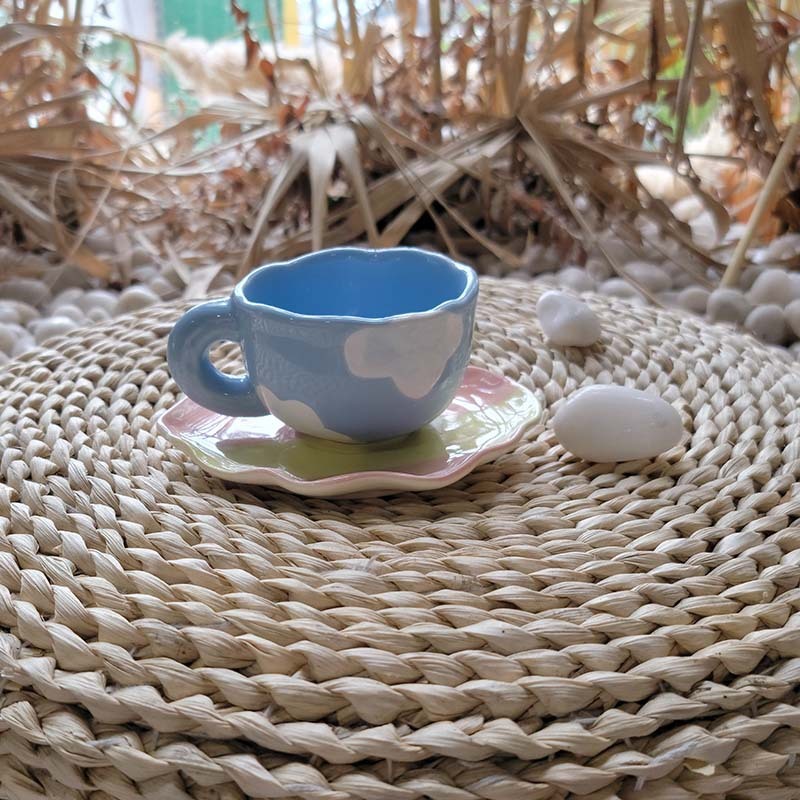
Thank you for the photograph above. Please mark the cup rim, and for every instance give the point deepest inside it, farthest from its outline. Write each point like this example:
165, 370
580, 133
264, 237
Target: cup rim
467, 294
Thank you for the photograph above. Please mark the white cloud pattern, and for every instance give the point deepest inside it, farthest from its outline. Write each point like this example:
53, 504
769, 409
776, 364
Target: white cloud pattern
413, 353
299, 416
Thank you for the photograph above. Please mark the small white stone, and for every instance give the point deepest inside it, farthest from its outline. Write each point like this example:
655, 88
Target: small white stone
70, 277
9, 333
783, 247
734, 232
66, 297
670, 298
727, 305
792, 314
768, 323
23, 343
749, 275
683, 279
694, 298
4, 359
688, 208
145, 273
616, 247
9, 312
537, 259
519, 275
576, 279
140, 257
27, 313
598, 269
73, 312
97, 314
567, 321
618, 287
606, 423
651, 276
704, 230
99, 298
771, 286
135, 298
52, 326
26, 290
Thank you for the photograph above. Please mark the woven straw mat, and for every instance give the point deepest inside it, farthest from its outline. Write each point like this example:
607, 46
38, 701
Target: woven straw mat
545, 628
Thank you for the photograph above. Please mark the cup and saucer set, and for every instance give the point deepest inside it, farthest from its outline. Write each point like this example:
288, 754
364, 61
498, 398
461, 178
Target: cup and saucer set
357, 380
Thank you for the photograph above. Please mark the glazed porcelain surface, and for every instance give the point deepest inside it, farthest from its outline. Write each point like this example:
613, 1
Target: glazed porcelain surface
487, 416
344, 344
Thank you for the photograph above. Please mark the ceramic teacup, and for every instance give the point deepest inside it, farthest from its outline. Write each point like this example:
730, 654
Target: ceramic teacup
343, 344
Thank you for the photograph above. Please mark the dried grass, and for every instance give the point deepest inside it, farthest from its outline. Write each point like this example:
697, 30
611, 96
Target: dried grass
505, 128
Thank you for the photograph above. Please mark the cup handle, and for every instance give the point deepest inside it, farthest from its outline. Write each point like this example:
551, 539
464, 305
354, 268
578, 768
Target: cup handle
187, 355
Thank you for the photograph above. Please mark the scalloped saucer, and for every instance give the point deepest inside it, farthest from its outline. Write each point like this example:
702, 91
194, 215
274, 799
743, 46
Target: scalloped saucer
487, 416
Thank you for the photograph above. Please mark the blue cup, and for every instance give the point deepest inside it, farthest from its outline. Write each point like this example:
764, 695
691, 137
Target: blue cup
344, 344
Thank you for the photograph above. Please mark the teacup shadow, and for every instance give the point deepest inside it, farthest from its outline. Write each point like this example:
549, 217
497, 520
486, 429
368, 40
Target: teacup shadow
310, 458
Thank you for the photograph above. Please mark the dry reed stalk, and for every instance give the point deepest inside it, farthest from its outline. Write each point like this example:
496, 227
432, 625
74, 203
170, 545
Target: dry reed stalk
685, 86
766, 200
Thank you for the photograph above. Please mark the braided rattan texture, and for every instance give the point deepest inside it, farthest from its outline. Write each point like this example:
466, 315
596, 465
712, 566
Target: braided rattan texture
543, 629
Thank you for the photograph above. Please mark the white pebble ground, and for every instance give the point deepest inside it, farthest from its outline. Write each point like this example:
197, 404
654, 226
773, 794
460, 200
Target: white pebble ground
766, 302
33, 311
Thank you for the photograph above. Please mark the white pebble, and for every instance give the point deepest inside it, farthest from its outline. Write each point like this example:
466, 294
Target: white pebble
648, 275
598, 269
97, 314
694, 298
792, 314
52, 326
567, 321
140, 257
618, 287
688, 208
783, 247
26, 290
99, 298
9, 312
683, 279
23, 343
794, 280
66, 297
135, 298
519, 275
576, 279
26, 312
9, 333
145, 273
606, 423
749, 275
616, 247
70, 277
727, 305
768, 323
73, 312
734, 232
669, 298
4, 359
771, 286
704, 230
537, 259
